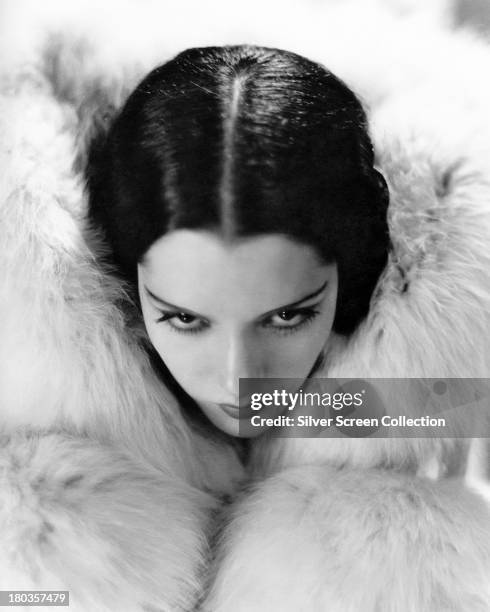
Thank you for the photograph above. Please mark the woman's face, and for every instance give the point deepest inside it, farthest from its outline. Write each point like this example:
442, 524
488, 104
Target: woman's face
260, 307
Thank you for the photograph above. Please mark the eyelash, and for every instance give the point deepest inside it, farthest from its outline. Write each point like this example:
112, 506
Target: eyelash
309, 314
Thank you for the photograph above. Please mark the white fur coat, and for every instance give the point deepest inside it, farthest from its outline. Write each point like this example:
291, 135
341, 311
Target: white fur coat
392, 525
107, 491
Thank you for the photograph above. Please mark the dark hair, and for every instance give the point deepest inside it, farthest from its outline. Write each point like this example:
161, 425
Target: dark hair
245, 140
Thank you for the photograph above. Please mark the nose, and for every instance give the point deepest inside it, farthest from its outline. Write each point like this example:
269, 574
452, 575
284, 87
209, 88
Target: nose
240, 362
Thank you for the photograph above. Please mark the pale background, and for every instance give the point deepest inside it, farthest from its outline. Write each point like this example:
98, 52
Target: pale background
294, 24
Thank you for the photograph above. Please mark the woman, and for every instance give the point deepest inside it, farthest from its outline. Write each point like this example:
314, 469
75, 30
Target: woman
246, 174
108, 485
238, 191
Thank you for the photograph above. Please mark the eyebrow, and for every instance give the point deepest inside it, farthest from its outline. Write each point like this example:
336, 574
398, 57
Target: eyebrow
310, 296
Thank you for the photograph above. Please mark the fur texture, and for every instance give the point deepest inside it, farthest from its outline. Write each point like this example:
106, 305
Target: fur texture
314, 538
87, 518
107, 490
107, 460
321, 531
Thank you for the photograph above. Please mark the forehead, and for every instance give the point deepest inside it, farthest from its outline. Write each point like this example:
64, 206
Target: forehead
196, 268
207, 251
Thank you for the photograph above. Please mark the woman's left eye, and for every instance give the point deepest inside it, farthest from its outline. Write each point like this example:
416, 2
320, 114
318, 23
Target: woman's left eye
285, 320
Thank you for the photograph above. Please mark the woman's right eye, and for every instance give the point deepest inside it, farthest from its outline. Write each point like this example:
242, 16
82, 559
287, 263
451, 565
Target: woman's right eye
182, 321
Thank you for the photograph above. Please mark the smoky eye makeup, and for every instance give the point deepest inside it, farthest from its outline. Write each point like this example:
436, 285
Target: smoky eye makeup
182, 322
186, 323
285, 320
291, 320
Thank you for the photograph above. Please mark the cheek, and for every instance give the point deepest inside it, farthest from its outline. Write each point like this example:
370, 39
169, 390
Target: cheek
295, 356
175, 351
297, 353
182, 358
190, 361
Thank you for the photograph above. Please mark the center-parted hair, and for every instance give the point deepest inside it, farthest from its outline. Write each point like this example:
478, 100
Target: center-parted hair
245, 140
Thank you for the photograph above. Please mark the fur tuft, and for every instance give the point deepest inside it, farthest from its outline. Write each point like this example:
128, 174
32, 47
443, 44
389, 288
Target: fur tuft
116, 533
314, 538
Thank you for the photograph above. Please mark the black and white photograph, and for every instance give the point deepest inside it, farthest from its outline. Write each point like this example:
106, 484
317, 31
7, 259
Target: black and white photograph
245, 305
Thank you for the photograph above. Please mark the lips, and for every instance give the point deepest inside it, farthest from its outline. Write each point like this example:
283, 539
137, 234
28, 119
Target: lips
236, 412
